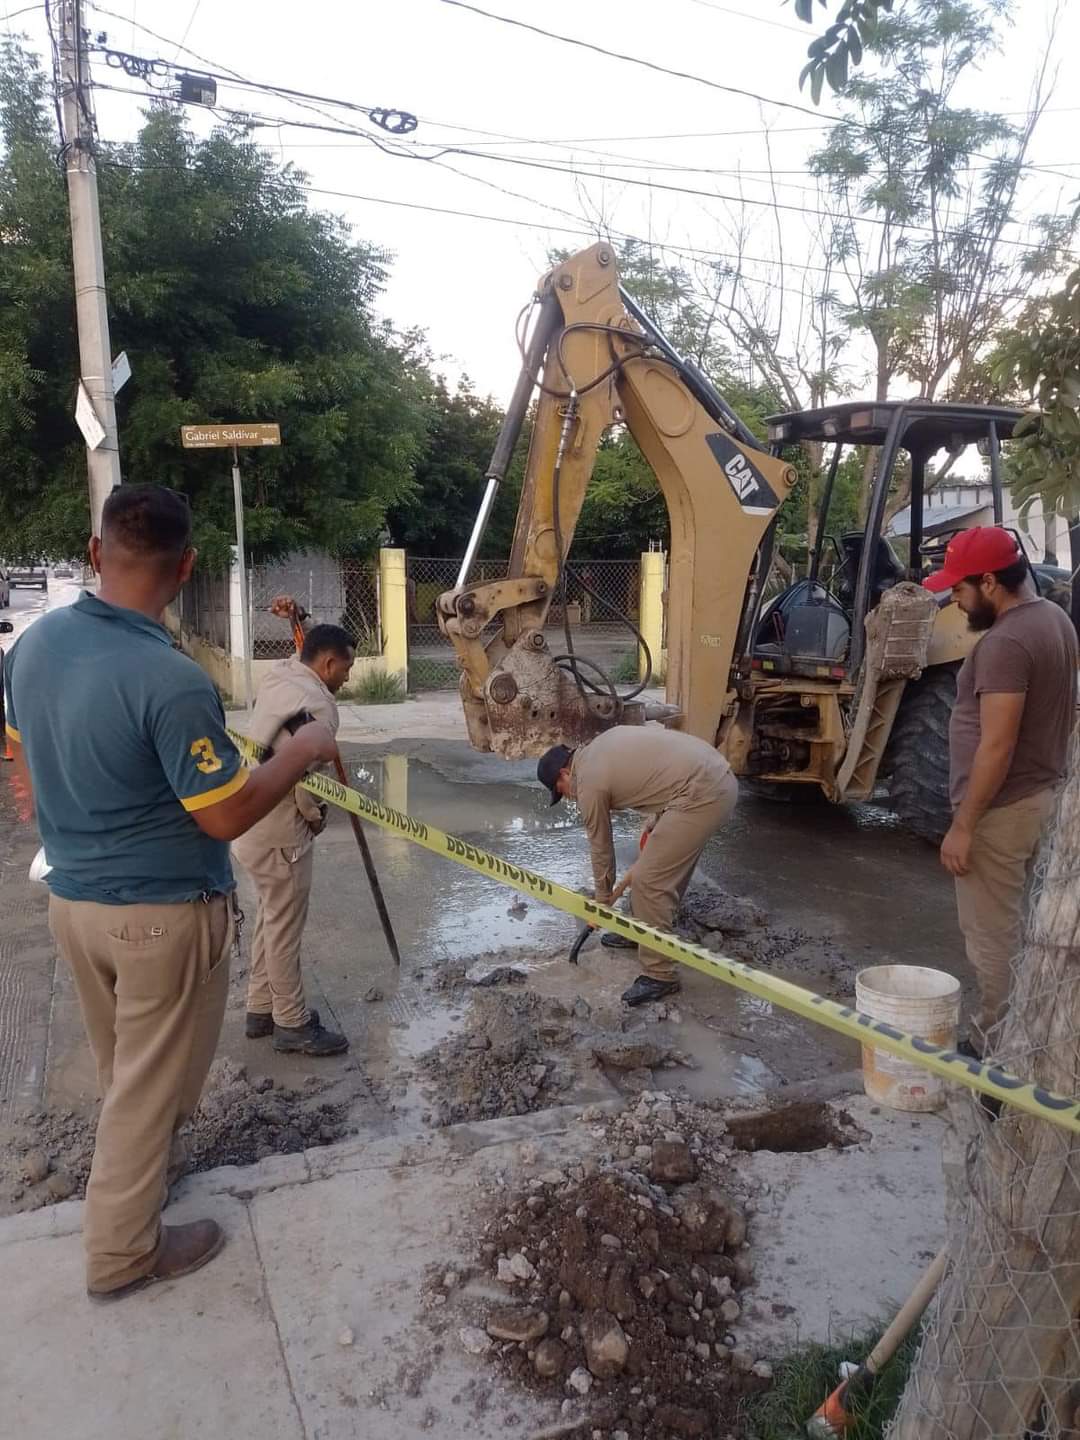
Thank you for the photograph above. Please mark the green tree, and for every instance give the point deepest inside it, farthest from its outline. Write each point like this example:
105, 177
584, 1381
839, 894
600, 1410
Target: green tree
1038, 363
932, 280
438, 515
233, 300
841, 45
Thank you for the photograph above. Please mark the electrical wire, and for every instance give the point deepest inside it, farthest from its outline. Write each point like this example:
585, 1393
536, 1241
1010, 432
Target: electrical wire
410, 151
647, 64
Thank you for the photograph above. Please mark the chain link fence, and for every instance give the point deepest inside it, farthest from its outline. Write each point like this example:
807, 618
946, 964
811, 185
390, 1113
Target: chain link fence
597, 592
332, 591
1000, 1354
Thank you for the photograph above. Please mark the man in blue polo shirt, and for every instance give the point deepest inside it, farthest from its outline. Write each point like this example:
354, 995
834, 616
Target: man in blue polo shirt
138, 790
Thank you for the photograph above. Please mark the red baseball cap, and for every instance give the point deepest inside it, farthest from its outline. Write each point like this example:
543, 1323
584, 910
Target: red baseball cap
975, 552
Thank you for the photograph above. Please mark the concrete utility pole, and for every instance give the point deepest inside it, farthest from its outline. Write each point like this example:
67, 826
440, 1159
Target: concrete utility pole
92, 317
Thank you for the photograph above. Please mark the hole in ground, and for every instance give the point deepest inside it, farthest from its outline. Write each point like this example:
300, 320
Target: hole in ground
793, 1129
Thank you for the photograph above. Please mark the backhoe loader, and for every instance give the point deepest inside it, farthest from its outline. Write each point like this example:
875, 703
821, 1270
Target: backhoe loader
828, 687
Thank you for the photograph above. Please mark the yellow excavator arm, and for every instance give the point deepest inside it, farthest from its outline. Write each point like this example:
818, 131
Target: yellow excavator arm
602, 363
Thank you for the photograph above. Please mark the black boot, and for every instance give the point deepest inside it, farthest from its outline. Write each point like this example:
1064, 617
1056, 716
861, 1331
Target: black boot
612, 940
645, 988
260, 1025
309, 1039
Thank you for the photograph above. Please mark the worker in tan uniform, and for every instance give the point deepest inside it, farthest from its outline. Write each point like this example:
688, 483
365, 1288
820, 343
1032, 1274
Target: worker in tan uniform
278, 853
681, 781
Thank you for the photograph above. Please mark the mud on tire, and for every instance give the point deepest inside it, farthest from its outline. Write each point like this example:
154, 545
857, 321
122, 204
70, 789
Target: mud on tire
916, 765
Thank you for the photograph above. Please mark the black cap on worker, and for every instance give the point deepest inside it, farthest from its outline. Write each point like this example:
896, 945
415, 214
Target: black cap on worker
550, 766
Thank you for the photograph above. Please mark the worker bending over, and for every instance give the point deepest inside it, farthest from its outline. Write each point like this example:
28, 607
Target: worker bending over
278, 853
684, 783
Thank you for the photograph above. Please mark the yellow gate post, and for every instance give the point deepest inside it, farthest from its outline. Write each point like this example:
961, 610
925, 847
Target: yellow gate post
652, 611
394, 614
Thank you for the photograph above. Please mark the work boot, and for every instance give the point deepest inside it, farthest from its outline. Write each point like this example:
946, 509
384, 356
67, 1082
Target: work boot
183, 1249
309, 1039
645, 988
612, 940
260, 1024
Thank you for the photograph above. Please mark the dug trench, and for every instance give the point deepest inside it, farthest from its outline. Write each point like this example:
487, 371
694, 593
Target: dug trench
514, 1032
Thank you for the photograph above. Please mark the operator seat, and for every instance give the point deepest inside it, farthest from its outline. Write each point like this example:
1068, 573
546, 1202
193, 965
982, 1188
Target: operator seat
887, 572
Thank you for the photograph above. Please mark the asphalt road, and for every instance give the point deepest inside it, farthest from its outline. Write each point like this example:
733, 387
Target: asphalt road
28, 605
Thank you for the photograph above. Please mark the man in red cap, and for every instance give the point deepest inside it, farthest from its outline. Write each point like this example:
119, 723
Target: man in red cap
1008, 743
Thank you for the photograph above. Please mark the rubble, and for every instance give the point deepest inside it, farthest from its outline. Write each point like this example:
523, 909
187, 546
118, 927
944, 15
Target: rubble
239, 1121
626, 1279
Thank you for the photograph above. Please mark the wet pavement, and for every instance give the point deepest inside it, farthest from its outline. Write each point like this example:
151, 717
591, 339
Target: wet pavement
842, 889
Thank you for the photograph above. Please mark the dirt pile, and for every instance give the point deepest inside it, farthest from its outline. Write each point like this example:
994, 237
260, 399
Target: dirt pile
739, 928
621, 1287
496, 1065
47, 1154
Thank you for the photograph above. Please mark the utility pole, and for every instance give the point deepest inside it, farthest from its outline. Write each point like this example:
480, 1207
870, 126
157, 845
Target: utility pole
92, 317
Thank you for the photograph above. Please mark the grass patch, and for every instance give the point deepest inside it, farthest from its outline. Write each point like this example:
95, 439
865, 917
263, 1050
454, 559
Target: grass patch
625, 669
378, 687
810, 1374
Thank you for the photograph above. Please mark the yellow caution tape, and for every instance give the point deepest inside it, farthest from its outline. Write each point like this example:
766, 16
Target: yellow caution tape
988, 1079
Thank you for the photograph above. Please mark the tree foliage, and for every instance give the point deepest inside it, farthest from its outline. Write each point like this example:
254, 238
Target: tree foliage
841, 45
1038, 362
234, 301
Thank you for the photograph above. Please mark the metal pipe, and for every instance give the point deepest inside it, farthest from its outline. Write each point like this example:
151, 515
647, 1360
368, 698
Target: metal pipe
823, 514
915, 510
995, 473
550, 319
872, 534
702, 388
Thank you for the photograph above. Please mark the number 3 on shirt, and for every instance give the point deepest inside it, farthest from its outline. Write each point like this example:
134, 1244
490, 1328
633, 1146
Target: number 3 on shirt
206, 759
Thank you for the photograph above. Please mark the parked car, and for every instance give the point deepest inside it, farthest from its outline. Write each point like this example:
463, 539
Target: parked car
30, 577
63, 571
5, 589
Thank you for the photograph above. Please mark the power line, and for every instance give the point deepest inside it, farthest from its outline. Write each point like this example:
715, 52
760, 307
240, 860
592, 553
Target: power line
187, 27
14, 14
646, 64
410, 151
757, 19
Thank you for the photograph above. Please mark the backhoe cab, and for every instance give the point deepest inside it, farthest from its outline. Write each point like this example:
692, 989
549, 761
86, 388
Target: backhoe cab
847, 674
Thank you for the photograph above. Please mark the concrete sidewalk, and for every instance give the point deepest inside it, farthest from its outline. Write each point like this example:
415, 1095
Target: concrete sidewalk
251, 1347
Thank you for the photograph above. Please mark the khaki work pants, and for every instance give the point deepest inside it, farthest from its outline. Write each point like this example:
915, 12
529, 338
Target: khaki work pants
283, 885
663, 869
152, 982
990, 897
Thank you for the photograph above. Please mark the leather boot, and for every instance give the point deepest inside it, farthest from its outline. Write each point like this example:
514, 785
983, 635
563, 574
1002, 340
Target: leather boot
183, 1249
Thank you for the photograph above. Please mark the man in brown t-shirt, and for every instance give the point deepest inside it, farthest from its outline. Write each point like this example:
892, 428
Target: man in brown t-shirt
1008, 742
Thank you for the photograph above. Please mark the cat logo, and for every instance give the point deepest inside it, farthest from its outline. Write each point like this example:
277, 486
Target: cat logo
750, 487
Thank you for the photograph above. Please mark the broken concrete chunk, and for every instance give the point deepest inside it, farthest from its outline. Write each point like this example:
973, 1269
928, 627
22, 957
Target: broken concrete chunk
624, 1053
580, 1380
372, 994
672, 1163
504, 1271
60, 1185
606, 1345
35, 1167
346, 1337
500, 975
550, 1358
519, 1326
474, 1340
521, 1267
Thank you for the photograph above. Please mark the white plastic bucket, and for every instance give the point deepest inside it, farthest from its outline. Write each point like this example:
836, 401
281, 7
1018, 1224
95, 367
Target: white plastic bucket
922, 1002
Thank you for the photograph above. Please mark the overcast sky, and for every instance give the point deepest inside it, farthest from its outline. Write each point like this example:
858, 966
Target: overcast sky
502, 91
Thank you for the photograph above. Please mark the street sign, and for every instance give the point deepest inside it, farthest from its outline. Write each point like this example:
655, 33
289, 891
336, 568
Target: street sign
121, 371
224, 437
87, 420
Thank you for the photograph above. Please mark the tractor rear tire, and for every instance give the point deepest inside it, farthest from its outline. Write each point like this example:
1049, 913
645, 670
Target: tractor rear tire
917, 759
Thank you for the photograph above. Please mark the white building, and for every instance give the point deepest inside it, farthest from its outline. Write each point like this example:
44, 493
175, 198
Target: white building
964, 503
